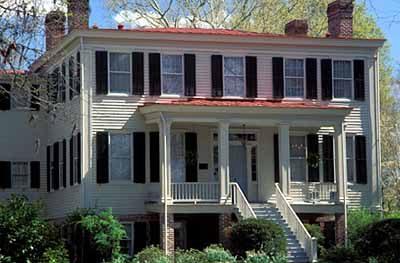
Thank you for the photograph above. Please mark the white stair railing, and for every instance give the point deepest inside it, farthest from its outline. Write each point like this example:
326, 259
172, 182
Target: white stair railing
240, 201
195, 192
306, 241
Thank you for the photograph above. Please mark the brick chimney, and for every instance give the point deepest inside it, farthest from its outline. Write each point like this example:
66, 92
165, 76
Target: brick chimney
78, 14
296, 27
54, 28
340, 18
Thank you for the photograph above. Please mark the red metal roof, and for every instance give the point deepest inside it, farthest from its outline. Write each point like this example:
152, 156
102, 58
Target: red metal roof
246, 103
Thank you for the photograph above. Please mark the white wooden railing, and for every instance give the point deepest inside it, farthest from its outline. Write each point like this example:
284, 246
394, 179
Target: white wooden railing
314, 191
306, 241
195, 192
239, 200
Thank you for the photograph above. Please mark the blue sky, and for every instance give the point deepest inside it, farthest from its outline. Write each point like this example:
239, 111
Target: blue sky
385, 12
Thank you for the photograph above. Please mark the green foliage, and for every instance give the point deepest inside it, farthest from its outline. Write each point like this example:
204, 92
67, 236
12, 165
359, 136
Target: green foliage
151, 255
315, 231
358, 220
392, 214
189, 256
381, 241
218, 254
25, 236
253, 257
258, 235
340, 254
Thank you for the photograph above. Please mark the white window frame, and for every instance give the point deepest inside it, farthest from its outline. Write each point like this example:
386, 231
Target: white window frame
109, 157
333, 80
109, 72
289, 77
60, 165
28, 174
297, 158
132, 226
244, 76
353, 139
182, 93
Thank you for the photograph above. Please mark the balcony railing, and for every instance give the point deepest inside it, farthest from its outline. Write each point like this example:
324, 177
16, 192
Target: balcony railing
313, 191
195, 192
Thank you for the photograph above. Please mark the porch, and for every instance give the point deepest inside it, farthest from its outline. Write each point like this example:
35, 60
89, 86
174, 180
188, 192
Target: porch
219, 154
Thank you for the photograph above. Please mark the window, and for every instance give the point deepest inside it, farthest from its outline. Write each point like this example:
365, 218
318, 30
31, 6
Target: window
350, 158
51, 166
342, 79
294, 78
120, 73
61, 165
298, 165
172, 74
127, 243
120, 156
20, 97
75, 159
254, 163
234, 76
19, 175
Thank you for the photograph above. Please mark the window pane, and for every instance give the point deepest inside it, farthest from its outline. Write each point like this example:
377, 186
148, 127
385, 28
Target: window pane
350, 170
342, 69
120, 62
349, 147
297, 146
19, 174
298, 170
342, 88
120, 157
234, 86
294, 87
294, 68
233, 66
172, 64
172, 84
120, 82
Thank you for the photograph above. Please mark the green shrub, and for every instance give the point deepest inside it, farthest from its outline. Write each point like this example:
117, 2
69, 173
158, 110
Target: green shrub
262, 258
381, 240
218, 254
340, 254
358, 220
392, 214
151, 254
190, 256
315, 231
25, 236
257, 235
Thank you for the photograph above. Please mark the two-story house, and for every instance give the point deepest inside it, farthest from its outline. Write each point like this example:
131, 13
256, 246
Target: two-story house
182, 131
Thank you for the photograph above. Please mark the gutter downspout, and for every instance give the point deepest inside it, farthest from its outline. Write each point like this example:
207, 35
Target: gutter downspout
164, 125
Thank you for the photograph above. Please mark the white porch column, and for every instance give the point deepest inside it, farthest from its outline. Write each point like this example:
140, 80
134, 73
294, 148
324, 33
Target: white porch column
223, 152
284, 158
340, 160
165, 157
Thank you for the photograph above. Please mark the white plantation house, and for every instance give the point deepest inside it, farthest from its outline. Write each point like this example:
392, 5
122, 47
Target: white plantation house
182, 131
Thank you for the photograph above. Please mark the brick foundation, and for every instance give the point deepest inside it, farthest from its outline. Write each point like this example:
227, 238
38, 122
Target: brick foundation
224, 221
340, 228
170, 233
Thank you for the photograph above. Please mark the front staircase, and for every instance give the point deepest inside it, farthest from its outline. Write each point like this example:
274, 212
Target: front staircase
295, 253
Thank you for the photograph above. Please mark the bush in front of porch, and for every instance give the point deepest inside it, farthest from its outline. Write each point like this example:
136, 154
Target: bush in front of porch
257, 235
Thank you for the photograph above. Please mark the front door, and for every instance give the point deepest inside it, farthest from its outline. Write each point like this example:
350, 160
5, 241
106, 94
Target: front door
238, 165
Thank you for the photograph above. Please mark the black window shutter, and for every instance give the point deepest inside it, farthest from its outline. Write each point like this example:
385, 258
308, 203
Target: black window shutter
78, 73
191, 156
154, 74
5, 102
154, 233
48, 151
311, 78
361, 160
217, 76
251, 77
326, 79
138, 73
190, 75
35, 174
71, 65
312, 148
276, 158
277, 77
56, 168
154, 157
5, 175
64, 168
78, 148
102, 157
139, 157
101, 72
35, 102
327, 151
71, 161
140, 236
359, 80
